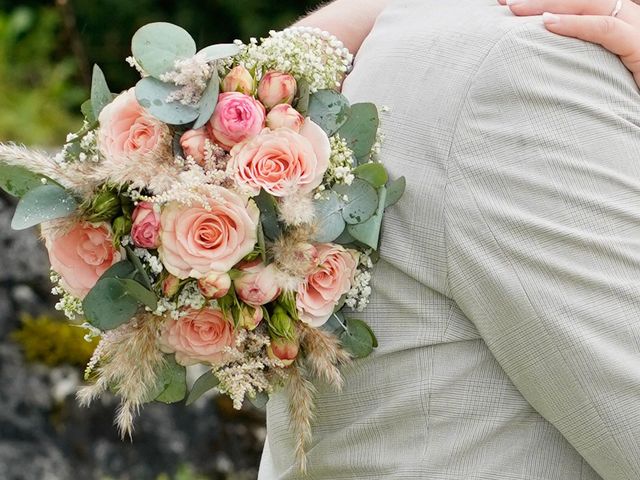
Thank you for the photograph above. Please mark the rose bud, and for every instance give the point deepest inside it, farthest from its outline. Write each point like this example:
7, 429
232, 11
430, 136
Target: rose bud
257, 284
215, 285
284, 116
250, 317
276, 88
239, 80
281, 324
193, 143
237, 117
283, 349
145, 231
170, 286
103, 207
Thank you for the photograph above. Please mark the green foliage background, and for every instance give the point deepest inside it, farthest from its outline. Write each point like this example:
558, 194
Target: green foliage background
47, 49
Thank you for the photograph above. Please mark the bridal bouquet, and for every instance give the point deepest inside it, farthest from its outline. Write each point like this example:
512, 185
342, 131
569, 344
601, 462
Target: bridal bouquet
225, 211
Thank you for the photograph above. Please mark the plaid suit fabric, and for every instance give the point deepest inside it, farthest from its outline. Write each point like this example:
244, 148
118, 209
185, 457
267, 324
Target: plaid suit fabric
507, 300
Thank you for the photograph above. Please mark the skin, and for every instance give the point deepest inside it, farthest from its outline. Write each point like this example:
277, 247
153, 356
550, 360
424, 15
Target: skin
591, 20
349, 20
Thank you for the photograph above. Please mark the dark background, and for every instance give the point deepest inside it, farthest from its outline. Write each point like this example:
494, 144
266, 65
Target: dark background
47, 50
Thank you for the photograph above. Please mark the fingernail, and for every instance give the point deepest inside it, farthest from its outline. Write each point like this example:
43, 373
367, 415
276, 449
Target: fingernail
550, 18
513, 3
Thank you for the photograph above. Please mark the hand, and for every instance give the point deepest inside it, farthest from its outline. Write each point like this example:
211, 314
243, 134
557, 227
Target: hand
591, 20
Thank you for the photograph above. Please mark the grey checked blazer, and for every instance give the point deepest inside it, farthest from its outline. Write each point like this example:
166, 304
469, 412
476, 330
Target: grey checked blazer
507, 301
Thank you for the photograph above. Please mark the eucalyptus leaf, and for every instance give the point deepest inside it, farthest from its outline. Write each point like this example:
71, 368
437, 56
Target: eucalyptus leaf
203, 384
329, 221
358, 339
152, 95
141, 294
301, 101
100, 94
208, 101
361, 128
361, 201
108, 305
46, 202
374, 173
87, 110
335, 325
174, 379
268, 215
395, 190
369, 231
122, 269
345, 238
157, 46
261, 243
137, 264
222, 50
329, 109
17, 181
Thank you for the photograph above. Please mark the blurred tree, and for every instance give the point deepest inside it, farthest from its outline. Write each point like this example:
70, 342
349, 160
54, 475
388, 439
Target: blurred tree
47, 53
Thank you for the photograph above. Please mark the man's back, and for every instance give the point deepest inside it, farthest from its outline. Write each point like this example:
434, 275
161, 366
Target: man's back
507, 267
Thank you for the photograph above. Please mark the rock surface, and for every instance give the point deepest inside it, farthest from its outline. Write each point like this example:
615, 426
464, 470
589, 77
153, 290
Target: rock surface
45, 435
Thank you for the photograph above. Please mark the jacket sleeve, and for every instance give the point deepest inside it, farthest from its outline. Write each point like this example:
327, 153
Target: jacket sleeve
543, 235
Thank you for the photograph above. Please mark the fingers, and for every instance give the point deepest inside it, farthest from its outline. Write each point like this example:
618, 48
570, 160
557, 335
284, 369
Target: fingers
613, 34
630, 11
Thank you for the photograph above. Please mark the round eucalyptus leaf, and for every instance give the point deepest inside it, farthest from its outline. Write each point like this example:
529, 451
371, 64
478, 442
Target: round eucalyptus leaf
152, 95
361, 201
358, 339
108, 305
171, 381
361, 128
157, 46
100, 94
222, 50
17, 181
329, 221
372, 172
395, 190
369, 232
329, 109
46, 202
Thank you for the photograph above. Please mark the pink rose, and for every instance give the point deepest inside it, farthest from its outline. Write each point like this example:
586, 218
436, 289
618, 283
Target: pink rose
145, 229
281, 161
198, 336
284, 116
215, 285
237, 117
81, 255
239, 79
276, 88
128, 132
322, 289
257, 284
195, 241
193, 143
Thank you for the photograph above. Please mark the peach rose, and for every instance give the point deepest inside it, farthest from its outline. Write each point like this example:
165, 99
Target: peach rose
198, 336
128, 132
281, 161
276, 88
195, 241
257, 284
193, 143
322, 289
283, 349
145, 227
284, 116
239, 79
81, 255
237, 117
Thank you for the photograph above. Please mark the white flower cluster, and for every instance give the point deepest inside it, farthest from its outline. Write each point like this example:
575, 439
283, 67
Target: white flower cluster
192, 76
151, 261
80, 147
340, 163
189, 297
70, 305
307, 53
249, 370
358, 297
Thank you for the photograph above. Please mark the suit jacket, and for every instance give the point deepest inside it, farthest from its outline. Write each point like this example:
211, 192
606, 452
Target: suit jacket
507, 300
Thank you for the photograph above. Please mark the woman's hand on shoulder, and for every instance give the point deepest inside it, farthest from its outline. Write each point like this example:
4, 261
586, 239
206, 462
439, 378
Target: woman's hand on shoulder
614, 24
